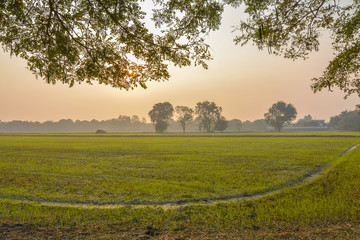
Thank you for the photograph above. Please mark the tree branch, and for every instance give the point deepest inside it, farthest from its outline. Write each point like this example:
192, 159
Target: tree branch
72, 37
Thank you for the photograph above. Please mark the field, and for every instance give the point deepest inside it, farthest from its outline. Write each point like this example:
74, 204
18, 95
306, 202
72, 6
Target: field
184, 186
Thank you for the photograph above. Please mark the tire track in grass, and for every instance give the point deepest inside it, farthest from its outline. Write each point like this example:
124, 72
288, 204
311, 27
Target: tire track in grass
184, 202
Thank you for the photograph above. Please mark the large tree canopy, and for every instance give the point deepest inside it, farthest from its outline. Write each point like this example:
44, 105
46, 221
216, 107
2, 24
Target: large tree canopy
292, 29
108, 41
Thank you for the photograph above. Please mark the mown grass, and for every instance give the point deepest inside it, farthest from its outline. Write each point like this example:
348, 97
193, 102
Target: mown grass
331, 198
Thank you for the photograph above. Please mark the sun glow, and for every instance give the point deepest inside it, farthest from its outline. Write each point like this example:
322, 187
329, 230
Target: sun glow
130, 72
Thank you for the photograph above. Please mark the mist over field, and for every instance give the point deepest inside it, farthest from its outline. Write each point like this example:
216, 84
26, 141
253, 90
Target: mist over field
346, 120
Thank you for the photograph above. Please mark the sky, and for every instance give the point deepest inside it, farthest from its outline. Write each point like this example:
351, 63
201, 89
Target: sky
244, 81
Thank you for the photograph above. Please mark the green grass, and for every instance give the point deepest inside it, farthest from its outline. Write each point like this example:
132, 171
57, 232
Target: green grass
137, 170
193, 134
168, 168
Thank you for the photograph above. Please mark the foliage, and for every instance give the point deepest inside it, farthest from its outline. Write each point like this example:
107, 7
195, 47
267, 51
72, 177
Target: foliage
67, 125
185, 115
259, 125
279, 114
221, 124
235, 125
344, 70
107, 41
307, 121
161, 126
208, 114
292, 29
135, 119
160, 114
347, 120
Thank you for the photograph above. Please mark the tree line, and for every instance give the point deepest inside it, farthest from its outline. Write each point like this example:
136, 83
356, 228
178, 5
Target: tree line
206, 116
122, 123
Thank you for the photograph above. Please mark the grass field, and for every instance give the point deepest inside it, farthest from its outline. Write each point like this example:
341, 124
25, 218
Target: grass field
42, 178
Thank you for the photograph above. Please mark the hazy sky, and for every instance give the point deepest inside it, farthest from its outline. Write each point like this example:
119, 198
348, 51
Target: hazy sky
243, 80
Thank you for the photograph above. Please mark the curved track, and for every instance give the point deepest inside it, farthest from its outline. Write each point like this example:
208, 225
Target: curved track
181, 203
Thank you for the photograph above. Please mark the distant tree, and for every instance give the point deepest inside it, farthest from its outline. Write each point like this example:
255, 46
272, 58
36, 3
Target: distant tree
333, 123
208, 113
221, 124
65, 124
350, 121
124, 118
135, 119
161, 126
308, 121
160, 114
185, 115
235, 125
346, 120
308, 117
258, 125
279, 114
198, 123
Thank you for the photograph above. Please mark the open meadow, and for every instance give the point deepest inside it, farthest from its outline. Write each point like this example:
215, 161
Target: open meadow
133, 186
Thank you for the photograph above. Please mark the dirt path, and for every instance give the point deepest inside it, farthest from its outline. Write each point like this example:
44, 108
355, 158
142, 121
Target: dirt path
181, 203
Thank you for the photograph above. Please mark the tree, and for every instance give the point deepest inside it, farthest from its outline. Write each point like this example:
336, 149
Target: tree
292, 29
98, 40
198, 122
259, 125
135, 119
208, 113
160, 114
346, 120
161, 126
279, 114
221, 124
349, 121
308, 118
235, 125
125, 119
308, 121
185, 115
107, 41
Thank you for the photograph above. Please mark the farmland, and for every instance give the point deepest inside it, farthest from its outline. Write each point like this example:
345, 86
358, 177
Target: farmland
178, 183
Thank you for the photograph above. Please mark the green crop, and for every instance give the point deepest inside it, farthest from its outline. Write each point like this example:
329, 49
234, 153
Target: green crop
154, 170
